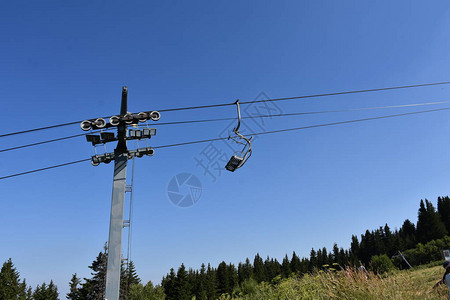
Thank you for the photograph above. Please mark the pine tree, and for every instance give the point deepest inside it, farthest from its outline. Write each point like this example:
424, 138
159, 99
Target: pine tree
245, 271
304, 266
275, 267
94, 288
182, 289
223, 279
211, 283
407, 235
355, 250
285, 267
29, 294
319, 259
52, 291
343, 258
258, 268
232, 274
201, 292
429, 223
74, 293
312, 260
40, 292
128, 278
26, 292
388, 239
367, 247
322, 257
46, 292
10, 285
193, 282
443, 207
295, 263
168, 283
124, 287
335, 253
378, 237
268, 269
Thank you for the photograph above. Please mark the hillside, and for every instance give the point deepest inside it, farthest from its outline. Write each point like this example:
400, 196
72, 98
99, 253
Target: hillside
351, 284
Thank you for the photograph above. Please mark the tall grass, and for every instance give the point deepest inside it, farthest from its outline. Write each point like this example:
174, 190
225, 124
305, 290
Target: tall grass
352, 284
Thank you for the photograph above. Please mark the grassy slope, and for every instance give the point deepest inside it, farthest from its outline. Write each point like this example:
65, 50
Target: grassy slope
351, 284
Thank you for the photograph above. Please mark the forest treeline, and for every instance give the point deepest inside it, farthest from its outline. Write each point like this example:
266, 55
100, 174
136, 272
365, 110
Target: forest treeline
420, 242
12, 287
423, 242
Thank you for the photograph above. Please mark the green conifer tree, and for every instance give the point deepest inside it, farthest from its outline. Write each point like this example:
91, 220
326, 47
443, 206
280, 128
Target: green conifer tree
379, 246
268, 274
211, 283
128, 277
258, 268
182, 289
94, 287
407, 235
233, 277
367, 247
295, 263
343, 258
40, 292
202, 282
285, 267
46, 292
29, 293
168, 283
322, 257
354, 250
26, 293
193, 281
304, 265
313, 262
443, 207
389, 243
10, 285
429, 223
52, 291
74, 292
247, 269
223, 279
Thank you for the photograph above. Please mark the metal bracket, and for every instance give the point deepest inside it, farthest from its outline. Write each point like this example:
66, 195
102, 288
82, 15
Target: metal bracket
126, 223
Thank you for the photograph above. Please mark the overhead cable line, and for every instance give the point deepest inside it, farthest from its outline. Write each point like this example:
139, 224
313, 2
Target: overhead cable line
255, 133
305, 127
43, 128
351, 121
43, 142
229, 119
248, 102
47, 168
310, 96
347, 92
48, 141
302, 113
38, 129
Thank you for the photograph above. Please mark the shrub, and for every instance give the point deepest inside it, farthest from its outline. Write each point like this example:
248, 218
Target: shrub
381, 264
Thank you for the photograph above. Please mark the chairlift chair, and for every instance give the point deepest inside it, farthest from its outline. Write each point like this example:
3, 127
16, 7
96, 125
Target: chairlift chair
240, 157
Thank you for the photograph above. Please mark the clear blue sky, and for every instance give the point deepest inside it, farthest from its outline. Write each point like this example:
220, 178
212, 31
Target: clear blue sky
63, 62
